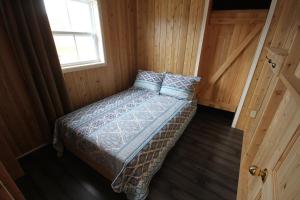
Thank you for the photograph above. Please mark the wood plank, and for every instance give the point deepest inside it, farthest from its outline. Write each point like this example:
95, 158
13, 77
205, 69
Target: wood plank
271, 103
193, 18
222, 106
282, 106
220, 42
176, 33
288, 114
234, 55
288, 171
290, 87
238, 17
176, 29
163, 34
281, 36
150, 35
157, 41
184, 22
169, 39
205, 9
140, 25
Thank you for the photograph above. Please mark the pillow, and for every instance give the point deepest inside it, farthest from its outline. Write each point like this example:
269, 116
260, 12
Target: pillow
149, 80
179, 86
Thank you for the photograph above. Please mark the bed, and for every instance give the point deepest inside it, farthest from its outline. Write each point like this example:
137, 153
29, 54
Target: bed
125, 137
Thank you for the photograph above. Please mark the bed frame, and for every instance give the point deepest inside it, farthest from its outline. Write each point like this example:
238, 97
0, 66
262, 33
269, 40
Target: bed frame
104, 171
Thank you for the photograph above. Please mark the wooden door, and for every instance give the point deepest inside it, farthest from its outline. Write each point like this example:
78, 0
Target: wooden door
278, 150
268, 91
230, 41
280, 36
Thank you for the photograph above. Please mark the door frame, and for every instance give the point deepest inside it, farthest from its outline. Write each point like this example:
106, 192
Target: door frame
258, 51
206, 11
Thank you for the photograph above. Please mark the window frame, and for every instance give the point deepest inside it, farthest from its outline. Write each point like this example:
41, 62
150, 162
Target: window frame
97, 36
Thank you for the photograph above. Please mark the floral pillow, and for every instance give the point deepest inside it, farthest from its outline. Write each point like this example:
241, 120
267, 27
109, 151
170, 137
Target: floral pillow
179, 86
149, 80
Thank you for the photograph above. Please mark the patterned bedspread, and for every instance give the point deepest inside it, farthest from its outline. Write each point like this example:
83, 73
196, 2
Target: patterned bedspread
129, 133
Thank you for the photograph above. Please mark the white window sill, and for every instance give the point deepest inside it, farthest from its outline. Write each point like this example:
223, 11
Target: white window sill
82, 67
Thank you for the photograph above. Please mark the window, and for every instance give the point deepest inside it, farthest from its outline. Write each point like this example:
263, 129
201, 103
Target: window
75, 25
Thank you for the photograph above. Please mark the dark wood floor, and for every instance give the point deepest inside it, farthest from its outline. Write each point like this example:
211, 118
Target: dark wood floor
204, 164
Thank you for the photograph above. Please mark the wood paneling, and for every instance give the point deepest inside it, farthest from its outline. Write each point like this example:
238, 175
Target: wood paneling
168, 33
281, 36
279, 125
280, 158
273, 99
229, 45
119, 28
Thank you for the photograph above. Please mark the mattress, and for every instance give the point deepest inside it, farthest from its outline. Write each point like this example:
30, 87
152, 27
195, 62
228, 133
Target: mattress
128, 133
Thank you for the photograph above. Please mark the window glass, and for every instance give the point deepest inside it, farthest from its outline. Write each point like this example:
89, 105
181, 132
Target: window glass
80, 16
76, 30
57, 15
66, 48
86, 48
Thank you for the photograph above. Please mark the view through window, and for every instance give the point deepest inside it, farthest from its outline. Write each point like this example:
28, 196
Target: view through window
76, 29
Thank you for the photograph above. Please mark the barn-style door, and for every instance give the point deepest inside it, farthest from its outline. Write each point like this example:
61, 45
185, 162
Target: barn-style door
231, 39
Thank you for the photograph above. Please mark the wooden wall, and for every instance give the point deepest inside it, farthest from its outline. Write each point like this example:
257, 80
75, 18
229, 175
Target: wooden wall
280, 36
119, 27
168, 33
230, 42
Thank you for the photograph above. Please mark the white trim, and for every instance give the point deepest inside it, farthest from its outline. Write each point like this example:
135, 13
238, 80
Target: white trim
72, 33
88, 62
32, 150
74, 68
101, 38
260, 46
201, 36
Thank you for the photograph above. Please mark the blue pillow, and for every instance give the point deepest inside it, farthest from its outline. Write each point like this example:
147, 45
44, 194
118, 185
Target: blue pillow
179, 86
149, 80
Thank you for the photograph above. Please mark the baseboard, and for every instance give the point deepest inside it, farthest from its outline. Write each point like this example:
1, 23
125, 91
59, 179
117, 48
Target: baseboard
32, 150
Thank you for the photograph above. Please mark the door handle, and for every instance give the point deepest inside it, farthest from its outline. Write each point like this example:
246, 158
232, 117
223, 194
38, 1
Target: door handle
256, 171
